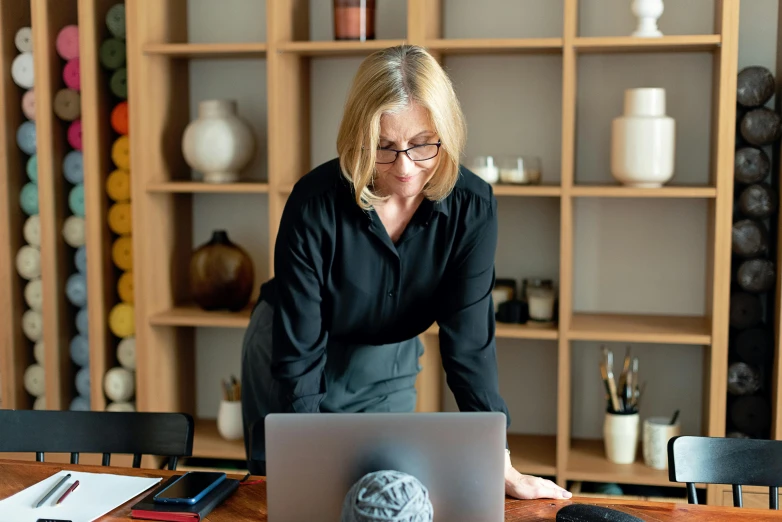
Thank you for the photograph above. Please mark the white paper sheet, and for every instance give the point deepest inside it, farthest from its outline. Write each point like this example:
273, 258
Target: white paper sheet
96, 495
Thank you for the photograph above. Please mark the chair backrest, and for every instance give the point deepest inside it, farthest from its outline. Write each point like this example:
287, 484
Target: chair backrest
714, 460
135, 433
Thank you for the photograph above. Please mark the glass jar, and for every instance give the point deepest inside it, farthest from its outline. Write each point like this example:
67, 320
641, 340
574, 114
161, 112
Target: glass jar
354, 20
485, 167
519, 170
541, 304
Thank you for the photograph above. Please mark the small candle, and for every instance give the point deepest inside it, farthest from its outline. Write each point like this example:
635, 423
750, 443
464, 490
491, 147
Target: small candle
487, 170
541, 304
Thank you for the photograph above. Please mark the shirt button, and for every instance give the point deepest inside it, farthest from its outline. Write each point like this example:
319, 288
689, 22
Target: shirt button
390, 293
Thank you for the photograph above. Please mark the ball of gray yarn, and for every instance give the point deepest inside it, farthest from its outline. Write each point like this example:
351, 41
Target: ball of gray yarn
386, 496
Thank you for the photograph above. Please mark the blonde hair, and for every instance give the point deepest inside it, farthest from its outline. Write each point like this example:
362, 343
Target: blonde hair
387, 81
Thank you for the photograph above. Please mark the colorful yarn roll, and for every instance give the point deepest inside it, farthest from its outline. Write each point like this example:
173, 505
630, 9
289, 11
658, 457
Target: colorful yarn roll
73, 167
80, 350
122, 253
121, 320
23, 70
24, 40
125, 287
80, 259
32, 168
71, 75
120, 153
76, 200
115, 20
67, 43
28, 199
82, 322
28, 104
76, 289
119, 118
33, 294
32, 230
28, 262
120, 221
25, 137
119, 83
112, 54
74, 134
73, 231
118, 185
67, 104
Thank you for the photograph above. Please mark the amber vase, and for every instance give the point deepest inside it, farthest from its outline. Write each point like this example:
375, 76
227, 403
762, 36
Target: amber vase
221, 274
354, 20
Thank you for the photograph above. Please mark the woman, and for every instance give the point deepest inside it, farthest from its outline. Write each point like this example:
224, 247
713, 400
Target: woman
373, 248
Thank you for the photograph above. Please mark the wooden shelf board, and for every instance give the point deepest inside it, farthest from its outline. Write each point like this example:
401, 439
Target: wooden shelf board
533, 454
205, 50
527, 190
207, 443
587, 462
192, 315
336, 48
609, 191
496, 45
640, 328
674, 43
516, 331
172, 187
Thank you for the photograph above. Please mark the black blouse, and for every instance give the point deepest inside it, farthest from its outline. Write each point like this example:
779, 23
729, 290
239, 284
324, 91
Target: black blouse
338, 276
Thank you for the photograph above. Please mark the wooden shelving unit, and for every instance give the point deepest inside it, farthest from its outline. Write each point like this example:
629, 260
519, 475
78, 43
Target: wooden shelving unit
193, 187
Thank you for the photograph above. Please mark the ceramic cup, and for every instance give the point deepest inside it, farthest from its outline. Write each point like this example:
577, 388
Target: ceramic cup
229, 420
657, 432
620, 435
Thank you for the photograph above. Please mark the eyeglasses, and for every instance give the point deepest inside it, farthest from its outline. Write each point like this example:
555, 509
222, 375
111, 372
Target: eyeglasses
423, 152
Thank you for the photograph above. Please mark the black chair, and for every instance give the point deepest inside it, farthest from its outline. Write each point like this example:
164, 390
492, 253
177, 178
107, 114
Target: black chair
712, 460
135, 433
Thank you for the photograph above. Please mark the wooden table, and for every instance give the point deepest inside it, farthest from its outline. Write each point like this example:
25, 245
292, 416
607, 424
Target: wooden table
249, 502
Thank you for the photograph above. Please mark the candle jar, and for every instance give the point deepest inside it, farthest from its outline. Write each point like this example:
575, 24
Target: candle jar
520, 170
485, 167
528, 283
504, 291
541, 304
354, 20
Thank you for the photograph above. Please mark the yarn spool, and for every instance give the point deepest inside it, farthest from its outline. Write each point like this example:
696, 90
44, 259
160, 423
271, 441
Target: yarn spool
23, 39
32, 325
112, 54
120, 221
28, 199
387, 495
32, 168
751, 165
34, 380
38, 352
80, 351
761, 126
121, 320
119, 118
83, 381
750, 238
743, 379
755, 346
28, 262
115, 20
755, 86
40, 403
76, 200
67, 42
67, 104
71, 75
758, 201
32, 231
125, 287
82, 322
28, 104
33, 295
80, 404
80, 259
121, 406
750, 414
746, 310
76, 289
119, 384
73, 167
23, 70
73, 231
756, 275
74, 135
118, 185
122, 253
126, 353
118, 83
120, 152
25, 137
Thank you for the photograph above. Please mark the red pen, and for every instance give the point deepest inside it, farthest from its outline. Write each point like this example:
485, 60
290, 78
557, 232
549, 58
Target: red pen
67, 492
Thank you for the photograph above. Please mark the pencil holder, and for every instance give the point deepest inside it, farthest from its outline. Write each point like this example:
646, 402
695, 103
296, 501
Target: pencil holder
620, 435
229, 420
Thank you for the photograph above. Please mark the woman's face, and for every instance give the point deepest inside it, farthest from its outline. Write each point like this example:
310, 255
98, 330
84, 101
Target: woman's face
401, 130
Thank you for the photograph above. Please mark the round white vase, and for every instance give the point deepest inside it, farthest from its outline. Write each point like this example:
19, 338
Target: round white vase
219, 143
230, 424
647, 12
643, 140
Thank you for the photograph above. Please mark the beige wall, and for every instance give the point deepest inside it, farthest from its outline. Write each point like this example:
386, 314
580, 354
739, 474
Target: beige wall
643, 256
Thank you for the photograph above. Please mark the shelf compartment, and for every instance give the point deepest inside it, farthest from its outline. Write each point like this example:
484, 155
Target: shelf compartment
208, 444
206, 50
516, 331
630, 44
533, 454
332, 48
193, 316
496, 45
587, 462
667, 329
185, 187
609, 191
527, 190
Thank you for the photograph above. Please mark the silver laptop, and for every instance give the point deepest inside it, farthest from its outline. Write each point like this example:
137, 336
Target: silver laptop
314, 459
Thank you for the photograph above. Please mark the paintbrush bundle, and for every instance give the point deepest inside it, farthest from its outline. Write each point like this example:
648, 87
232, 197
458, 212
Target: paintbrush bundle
232, 390
623, 396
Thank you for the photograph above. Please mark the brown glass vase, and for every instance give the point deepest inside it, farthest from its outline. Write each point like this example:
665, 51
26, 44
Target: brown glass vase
221, 274
354, 20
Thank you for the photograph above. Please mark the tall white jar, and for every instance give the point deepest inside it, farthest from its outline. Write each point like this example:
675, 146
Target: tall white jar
643, 140
218, 143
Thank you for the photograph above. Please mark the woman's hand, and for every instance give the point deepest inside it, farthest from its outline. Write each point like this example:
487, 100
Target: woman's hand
527, 487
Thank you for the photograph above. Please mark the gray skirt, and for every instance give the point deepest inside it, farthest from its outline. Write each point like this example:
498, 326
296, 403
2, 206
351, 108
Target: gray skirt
359, 378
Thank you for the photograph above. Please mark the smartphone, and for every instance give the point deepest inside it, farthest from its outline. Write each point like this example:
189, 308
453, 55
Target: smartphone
190, 487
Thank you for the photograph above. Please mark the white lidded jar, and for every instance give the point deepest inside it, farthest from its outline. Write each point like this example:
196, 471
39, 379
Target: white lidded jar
218, 143
643, 140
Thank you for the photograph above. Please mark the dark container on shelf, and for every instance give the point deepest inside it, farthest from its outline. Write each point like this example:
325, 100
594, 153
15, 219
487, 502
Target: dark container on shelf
354, 20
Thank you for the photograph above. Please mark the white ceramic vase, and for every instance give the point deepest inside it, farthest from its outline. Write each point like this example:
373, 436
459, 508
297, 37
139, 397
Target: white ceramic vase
647, 12
230, 425
620, 437
219, 143
643, 140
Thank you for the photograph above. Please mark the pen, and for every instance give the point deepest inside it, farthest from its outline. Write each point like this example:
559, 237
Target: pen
51, 491
68, 492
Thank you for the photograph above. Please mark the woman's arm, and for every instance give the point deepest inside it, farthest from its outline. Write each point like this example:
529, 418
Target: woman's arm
299, 338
